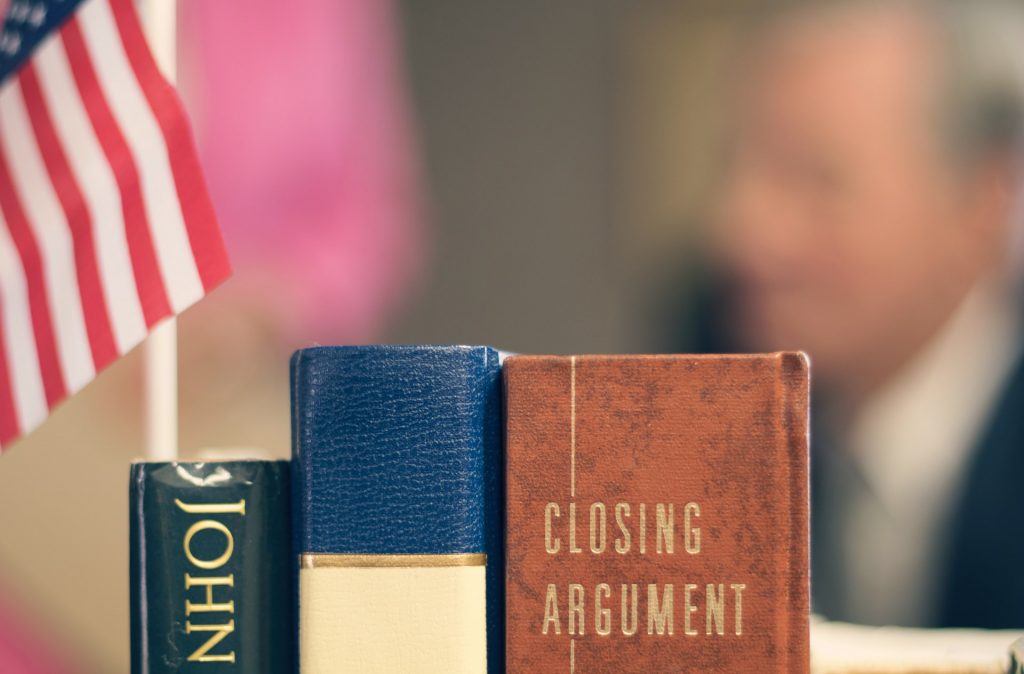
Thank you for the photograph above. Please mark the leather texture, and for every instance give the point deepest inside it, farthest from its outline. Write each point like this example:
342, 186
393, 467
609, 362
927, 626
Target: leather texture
398, 450
603, 448
163, 635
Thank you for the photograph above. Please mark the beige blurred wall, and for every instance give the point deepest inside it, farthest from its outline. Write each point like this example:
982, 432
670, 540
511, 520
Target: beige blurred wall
674, 76
570, 149
514, 102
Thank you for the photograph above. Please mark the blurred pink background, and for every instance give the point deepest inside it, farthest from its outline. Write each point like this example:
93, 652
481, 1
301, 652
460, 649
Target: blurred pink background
303, 127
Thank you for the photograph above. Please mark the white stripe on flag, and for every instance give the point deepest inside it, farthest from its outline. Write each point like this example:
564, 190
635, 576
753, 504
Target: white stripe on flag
142, 133
99, 188
19, 340
52, 234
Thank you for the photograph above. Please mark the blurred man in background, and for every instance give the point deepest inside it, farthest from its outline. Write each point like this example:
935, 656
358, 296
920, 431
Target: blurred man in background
869, 215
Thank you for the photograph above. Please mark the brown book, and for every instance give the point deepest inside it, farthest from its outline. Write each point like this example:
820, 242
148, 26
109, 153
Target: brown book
657, 514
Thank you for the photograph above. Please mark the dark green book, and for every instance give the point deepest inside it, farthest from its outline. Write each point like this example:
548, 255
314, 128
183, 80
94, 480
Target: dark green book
210, 568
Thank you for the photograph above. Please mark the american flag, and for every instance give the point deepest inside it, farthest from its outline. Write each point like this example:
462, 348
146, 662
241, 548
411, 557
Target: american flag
105, 223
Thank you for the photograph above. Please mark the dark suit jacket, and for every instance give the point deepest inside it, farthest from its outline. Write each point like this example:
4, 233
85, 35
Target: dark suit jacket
984, 585
980, 581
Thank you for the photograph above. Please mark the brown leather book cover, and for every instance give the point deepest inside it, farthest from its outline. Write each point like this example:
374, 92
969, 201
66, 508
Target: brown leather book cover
657, 514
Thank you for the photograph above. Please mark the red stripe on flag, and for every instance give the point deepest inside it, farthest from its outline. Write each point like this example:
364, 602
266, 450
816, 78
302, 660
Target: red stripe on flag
8, 415
90, 288
148, 281
28, 251
203, 232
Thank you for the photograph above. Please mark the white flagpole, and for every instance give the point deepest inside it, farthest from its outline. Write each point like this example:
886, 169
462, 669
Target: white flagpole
160, 351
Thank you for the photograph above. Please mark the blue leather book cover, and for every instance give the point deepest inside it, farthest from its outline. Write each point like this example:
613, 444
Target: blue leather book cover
398, 499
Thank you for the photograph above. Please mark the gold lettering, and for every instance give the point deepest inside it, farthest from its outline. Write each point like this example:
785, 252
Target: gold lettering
209, 605
598, 528
666, 527
576, 609
573, 548
689, 610
690, 511
643, 528
629, 609
229, 546
738, 588
551, 611
552, 545
715, 609
660, 620
211, 508
602, 616
219, 633
621, 512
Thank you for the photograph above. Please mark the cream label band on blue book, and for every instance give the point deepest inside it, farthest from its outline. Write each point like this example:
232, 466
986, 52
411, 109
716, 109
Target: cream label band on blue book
370, 614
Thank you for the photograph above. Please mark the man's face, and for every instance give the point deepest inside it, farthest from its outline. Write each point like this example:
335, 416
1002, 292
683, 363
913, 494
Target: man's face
840, 224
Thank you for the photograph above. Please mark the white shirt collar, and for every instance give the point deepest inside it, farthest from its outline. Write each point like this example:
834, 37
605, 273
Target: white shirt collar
914, 436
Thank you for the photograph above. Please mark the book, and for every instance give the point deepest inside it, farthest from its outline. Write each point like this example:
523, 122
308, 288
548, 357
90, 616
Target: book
209, 567
842, 648
398, 495
657, 514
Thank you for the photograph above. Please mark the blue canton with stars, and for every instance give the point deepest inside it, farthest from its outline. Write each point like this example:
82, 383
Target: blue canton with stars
27, 23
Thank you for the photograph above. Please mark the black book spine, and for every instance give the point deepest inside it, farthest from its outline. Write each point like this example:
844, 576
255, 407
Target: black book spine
209, 568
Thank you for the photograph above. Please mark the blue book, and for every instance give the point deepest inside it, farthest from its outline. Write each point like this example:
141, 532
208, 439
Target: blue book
398, 495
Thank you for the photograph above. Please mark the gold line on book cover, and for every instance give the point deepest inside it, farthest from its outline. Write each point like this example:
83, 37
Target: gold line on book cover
319, 560
572, 426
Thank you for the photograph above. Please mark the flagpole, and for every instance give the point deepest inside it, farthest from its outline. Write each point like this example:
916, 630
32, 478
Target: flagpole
160, 350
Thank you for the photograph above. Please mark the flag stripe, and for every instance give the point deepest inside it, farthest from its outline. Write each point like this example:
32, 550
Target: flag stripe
92, 173
32, 264
201, 223
77, 216
174, 253
106, 227
22, 366
52, 235
8, 415
149, 284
